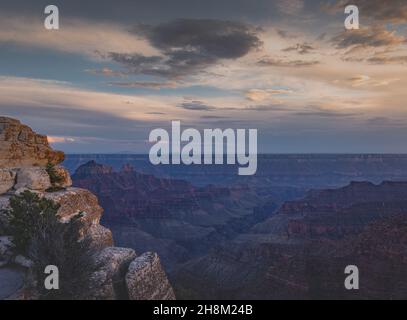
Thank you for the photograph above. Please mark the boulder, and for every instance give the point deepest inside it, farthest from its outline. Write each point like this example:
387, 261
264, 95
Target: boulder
65, 177
33, 178
20, 146
101, 237
6, 250
74, 201
108, 282
7, 180
146, 279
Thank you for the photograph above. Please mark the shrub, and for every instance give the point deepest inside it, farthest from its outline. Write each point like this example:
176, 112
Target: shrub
28, 214
47, 241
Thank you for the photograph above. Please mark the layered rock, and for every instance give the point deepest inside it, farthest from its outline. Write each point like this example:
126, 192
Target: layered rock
301, 252
20, 146
27, 162
146, 280
108, 282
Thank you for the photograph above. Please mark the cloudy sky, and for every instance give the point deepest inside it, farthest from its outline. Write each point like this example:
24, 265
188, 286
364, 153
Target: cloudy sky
118, 69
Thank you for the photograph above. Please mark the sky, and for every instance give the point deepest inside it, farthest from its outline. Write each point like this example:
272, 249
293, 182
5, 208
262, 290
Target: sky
115, 70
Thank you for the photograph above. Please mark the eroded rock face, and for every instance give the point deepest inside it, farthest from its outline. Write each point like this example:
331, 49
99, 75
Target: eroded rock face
74, 201
108, 281
146, 279
65, 177
24, 156
20, 146
7, 180
33, 178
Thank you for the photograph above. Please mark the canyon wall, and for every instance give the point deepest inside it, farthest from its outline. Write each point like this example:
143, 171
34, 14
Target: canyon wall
25, 159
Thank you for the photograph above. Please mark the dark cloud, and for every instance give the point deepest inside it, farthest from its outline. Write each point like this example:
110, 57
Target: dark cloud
188, 46
217, 38
196, 106
271, 62
301, 48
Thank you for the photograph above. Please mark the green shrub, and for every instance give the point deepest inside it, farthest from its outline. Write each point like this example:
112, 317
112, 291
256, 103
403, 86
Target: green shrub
28, 214
46, 241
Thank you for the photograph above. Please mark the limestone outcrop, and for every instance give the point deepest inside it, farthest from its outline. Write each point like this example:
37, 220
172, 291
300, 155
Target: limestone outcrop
146, 279
20, 146
27, 162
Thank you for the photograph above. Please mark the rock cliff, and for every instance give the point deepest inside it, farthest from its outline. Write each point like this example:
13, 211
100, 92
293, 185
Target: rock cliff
25, 159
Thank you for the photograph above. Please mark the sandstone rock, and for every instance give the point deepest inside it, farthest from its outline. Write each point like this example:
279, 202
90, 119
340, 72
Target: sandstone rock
101, 236
74, 201
33, 178
20, 146
65, 177
108, 282
6, 247
7, 180
146, 279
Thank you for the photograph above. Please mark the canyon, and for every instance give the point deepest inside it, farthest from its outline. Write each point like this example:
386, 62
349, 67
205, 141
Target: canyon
280, 235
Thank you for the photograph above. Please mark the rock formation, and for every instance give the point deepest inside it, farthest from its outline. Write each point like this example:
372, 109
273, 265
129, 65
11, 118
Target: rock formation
302, 250
25, 159
22, 147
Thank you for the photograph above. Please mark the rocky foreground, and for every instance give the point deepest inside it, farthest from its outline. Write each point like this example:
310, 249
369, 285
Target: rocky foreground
122, 273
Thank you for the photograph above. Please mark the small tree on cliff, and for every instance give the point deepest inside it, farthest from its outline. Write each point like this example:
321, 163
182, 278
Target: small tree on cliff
40, 235
29, 214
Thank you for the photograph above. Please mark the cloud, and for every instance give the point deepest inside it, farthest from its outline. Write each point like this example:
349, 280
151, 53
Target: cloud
64, 99
260, 94
385, 122
290, 7
272, 62
377, 10
320, 112
367, 37
107, 72
361, 80
206, 117
74, 36
59, 139
188, 46
285, 34
267, 108
221, 39
375, 45
196, 105
388, 59
144, 84
301, 48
